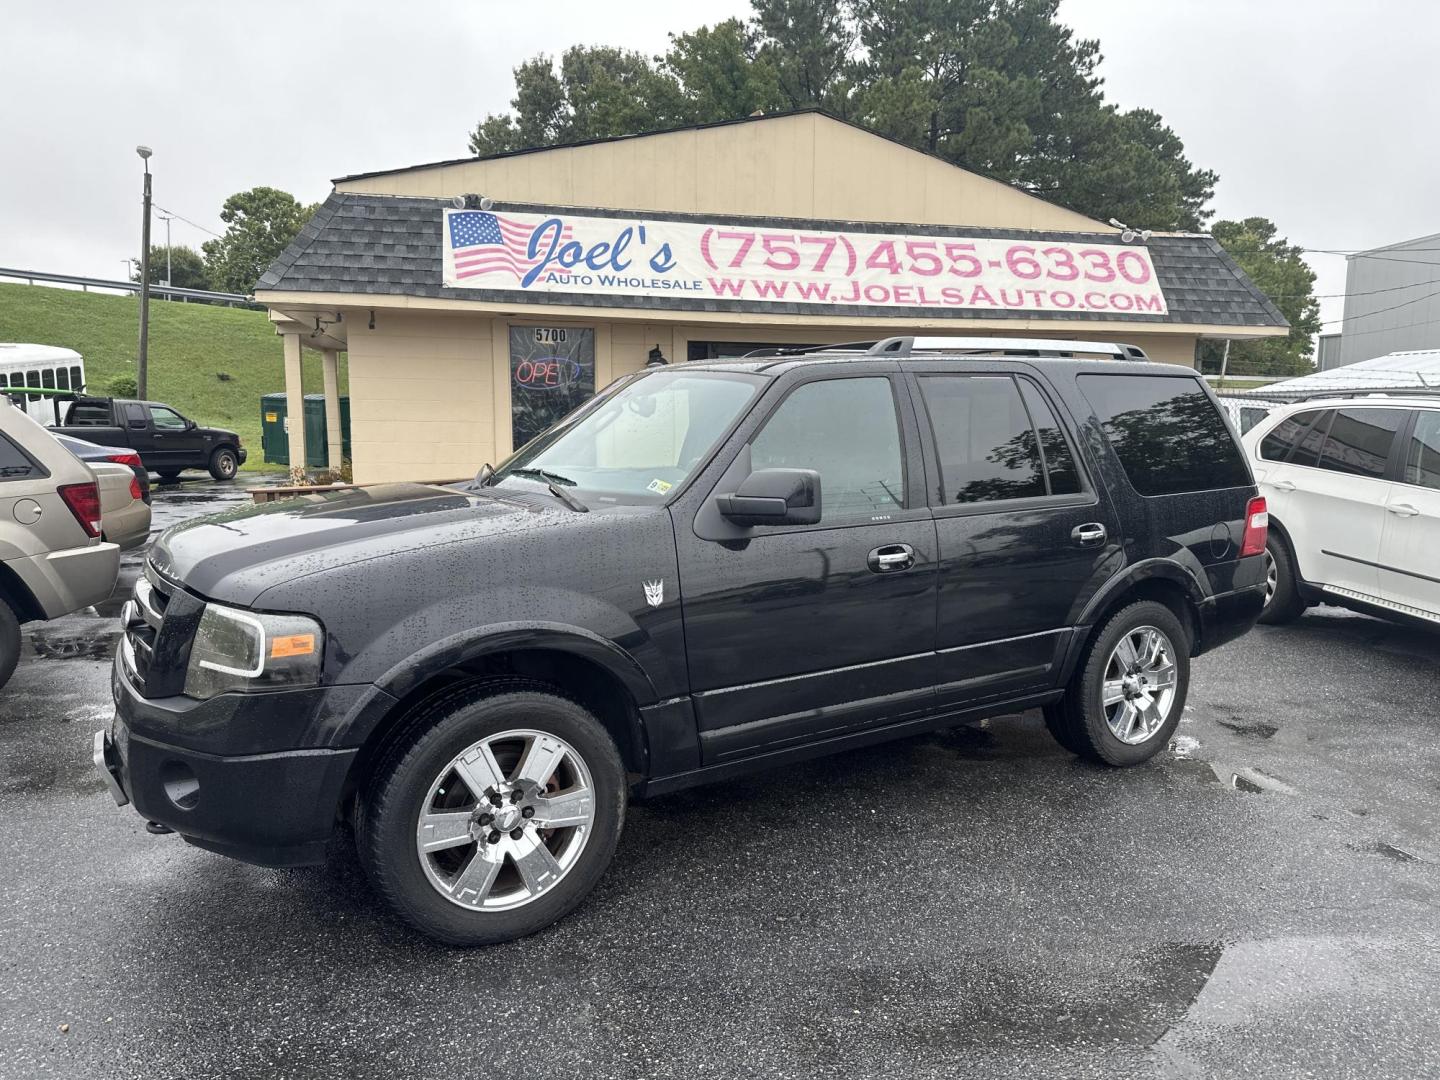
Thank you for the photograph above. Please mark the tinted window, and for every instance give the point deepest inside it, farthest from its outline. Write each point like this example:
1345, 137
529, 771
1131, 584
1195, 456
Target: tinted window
166, 419
984, 438
135, 413
1359, 441
1286, 436
1060, 467
846, 430
90, 414
15, 464
1167, 433
1422, 463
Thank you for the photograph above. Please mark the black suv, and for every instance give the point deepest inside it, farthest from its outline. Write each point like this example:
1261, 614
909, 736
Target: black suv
705, 569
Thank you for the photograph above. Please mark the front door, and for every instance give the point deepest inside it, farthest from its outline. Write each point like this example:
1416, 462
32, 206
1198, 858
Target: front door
806, 632
1025, 537
1410, 545
176, 444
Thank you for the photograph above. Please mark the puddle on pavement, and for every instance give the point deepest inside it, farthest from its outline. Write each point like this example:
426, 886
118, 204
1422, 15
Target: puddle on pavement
99, 644
1257, 782
1386, 851
1252, 729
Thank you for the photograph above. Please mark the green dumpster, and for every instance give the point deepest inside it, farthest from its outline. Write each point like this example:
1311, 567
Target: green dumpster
275, 429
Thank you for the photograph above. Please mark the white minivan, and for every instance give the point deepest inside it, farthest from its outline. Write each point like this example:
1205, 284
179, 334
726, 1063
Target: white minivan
1353, 488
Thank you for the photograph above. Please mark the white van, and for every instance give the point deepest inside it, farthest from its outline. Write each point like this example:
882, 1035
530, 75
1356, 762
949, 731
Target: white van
46, 366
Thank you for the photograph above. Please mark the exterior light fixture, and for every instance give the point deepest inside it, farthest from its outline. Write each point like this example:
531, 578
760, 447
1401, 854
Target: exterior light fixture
657, 358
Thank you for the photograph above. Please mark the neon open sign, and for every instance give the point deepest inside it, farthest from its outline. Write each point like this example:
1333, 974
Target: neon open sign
548, 373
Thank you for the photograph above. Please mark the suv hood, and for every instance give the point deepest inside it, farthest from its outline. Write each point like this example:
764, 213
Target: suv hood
236, 555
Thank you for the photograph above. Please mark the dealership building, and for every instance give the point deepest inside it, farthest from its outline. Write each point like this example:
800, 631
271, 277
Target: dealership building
480, 299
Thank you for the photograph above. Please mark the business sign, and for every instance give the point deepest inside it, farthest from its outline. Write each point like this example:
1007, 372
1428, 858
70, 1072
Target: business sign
597, 256
552, 371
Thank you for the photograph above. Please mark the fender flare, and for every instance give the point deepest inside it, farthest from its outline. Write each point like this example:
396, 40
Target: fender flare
473, 644
1145, 570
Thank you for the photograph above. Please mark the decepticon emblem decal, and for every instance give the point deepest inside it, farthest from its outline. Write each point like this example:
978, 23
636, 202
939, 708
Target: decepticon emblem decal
655, 592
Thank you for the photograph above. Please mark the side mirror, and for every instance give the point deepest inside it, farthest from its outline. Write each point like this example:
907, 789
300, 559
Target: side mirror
774, 497
189, 425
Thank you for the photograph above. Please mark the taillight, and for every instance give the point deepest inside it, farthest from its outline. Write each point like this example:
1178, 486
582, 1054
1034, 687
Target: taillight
135, 492
1257, 525
133, 460
84, 502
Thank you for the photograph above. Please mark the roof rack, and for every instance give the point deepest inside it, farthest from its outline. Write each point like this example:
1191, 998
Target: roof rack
1005, 346
1354, 392
806, 350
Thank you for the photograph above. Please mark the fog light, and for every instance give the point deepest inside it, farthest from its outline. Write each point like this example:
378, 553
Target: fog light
181, 786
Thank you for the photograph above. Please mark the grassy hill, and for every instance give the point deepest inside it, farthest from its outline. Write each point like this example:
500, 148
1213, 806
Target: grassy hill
191, 346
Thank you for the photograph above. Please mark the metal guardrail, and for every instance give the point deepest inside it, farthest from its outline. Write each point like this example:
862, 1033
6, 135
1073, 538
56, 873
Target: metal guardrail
165, 292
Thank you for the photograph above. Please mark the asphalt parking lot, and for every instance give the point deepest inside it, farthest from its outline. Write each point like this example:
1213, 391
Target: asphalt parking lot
1262, 900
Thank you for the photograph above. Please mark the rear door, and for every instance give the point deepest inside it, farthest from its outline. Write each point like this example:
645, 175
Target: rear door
1335, 514
1025, 536
796, 633
1410, 543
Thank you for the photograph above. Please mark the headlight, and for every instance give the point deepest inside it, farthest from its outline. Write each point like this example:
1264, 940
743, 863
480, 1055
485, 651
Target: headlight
250, 650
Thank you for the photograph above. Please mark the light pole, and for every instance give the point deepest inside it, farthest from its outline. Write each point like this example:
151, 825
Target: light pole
142, 363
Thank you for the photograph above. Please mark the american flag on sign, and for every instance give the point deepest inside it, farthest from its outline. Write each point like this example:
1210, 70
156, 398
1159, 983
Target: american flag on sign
485, 243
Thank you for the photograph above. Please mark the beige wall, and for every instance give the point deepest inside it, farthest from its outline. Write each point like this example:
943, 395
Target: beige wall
806, 166
429, 393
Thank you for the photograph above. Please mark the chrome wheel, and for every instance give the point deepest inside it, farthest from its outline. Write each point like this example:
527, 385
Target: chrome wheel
1139, 687
505, 820
1272, 577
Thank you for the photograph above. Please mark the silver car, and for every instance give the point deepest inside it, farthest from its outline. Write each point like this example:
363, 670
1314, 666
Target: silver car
52, 558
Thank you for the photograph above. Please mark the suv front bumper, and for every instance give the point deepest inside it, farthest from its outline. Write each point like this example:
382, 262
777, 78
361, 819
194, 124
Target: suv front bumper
273, 808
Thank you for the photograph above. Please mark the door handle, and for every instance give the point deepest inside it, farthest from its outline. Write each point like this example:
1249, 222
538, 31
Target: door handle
891, 558
1089, 535
1281, 485
1402, 509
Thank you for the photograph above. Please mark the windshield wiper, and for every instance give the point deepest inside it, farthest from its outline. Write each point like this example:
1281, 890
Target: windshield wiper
553, 482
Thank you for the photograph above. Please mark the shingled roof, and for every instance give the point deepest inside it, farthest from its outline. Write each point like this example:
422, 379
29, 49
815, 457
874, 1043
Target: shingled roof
384, 245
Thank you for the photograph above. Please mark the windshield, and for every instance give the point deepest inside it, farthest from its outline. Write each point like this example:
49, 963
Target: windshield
637, 442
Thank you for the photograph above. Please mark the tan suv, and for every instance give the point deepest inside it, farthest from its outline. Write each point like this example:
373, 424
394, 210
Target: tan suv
52, 560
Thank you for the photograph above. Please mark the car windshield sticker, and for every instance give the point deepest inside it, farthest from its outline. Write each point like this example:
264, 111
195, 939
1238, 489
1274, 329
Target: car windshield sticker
660, 487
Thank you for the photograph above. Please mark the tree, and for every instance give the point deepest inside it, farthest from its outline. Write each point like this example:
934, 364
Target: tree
187, 268
1279, 270
1000, 87
598, 92
261, 223
721, 73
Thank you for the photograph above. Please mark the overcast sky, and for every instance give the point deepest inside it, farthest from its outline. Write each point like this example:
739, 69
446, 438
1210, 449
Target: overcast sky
1320, 114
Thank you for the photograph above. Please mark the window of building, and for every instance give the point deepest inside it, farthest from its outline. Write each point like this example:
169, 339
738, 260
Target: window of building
1422, 463
1360, 440
1168, 434
847, 431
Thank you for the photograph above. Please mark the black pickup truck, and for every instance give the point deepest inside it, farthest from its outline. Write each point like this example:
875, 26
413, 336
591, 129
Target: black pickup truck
166, 441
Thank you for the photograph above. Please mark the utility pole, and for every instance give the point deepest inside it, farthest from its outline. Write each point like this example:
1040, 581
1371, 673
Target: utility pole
142, 359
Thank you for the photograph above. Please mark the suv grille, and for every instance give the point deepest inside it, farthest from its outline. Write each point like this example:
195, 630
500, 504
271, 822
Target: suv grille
142, 617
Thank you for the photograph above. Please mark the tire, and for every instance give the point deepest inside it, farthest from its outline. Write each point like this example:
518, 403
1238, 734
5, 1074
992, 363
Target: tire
169, 476
451, 894
9, 642
1283, 602
224, 464
1058, 724
1088, 726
